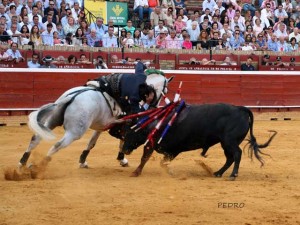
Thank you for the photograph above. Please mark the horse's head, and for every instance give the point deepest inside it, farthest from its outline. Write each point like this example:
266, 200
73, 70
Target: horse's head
160, 84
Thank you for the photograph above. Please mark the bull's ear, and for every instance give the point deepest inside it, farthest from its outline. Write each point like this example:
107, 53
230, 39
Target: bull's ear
170, 79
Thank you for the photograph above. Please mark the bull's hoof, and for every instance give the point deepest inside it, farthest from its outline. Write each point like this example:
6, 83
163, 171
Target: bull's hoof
216, 174
135, 174
231, 178
84, 165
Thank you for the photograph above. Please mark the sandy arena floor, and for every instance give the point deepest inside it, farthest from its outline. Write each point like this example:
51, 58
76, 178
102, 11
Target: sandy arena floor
106, 194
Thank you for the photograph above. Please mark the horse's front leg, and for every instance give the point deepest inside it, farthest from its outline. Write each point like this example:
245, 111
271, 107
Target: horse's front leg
121, 155
146, 156
91, 144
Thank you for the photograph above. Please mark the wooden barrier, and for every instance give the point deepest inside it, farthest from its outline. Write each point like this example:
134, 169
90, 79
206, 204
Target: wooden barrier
279, 68
13, 64
207, 67
74, 66
31, 88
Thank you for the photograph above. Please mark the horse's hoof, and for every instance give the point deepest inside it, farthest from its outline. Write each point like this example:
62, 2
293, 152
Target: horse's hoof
124, 163
48, 158
84, 165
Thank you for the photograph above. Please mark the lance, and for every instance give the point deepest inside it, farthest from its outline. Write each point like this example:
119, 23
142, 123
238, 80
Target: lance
157, 116
122, 120
140, 122
177, 95
170, 123
138, 114
145, 118
158, 125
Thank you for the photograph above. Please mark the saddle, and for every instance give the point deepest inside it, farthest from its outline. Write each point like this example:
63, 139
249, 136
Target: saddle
110, 85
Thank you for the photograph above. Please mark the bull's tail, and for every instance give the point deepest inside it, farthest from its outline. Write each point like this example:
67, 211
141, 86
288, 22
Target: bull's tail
51, 113
253, 146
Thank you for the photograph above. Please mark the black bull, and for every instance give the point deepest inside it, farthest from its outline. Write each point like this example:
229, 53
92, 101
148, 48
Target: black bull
202, 126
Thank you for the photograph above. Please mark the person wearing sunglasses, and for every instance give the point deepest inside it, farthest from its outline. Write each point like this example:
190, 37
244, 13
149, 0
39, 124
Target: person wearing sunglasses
236, 41
261, 42
267, 15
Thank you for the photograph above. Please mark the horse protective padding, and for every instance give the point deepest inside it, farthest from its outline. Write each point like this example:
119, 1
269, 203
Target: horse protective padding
111, 84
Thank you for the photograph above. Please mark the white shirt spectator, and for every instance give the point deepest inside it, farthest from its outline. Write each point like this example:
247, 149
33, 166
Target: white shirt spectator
228, 32
202, 18
149, 42
194, 31
189, 23
280, 33
71, 3
280, 13
208, 4
75, 14
219, 7
31, 64
262, 19
140, 3
28, 25
297, 35
264, 16
6, 16
14, 39
241, 26
158, 30
53, 28
287, 7
30, 17
109, 41
47, 38
14, 54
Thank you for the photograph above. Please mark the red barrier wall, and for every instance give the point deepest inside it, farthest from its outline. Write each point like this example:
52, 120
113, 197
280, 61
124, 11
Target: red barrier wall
25, 88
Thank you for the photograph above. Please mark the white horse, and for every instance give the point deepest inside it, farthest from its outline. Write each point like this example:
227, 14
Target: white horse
77, 110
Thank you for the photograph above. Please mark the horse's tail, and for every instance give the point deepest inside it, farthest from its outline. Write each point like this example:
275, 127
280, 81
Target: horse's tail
254, 147
51, 113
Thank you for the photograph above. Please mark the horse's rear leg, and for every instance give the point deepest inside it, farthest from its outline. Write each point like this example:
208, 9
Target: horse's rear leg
67, 139
91, 144
35, 140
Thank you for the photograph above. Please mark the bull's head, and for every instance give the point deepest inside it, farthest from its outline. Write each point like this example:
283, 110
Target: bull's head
132, 139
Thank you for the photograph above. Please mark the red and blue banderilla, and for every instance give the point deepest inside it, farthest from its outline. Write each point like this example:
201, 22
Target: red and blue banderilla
170, 123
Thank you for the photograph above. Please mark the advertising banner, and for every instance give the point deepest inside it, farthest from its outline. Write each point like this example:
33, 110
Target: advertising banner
117, 11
